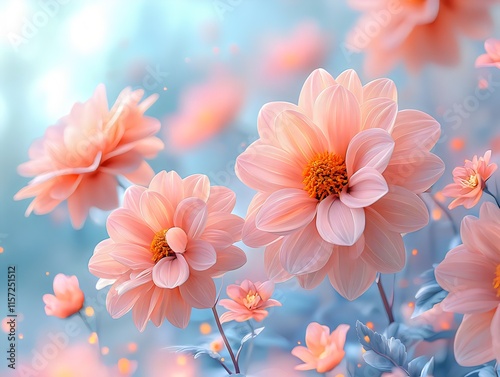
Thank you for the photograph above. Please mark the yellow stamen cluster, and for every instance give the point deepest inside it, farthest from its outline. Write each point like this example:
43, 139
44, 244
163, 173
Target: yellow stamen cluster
496, 281
252, 299
471, 182
159, 246
325, 175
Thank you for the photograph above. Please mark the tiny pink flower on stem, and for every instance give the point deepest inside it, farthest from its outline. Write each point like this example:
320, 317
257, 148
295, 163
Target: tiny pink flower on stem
68, 299
470, 181
248, 301
324, 350
492, 56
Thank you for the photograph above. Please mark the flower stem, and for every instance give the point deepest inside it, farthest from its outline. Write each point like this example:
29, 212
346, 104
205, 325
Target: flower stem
387, 306
226, 342
490, 194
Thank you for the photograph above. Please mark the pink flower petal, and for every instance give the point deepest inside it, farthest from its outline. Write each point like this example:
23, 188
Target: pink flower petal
170, 185
286, 211
482, 236
197, 185
314, 335
484, 60
156, 210
200, 255
191, 215
495, 333
366, 186
337, 113
473, 342
179, 311
313, 279
132, 198
317, 81
228, 259
490, 212
339, 224
133, 256
177, 239
415, 130
268, 168
170, 272
266, 290
272, 264
229, 223
143, 308
470, 300
103, 265
492, 47
251, 235
306, 356
349, 79
380, 88
463, 269
222, 199
384, 249
370, 148
379, 113
350, 277
267, 117
199, 291
403, 211
299, 136
415, 170
304, 251
124, 226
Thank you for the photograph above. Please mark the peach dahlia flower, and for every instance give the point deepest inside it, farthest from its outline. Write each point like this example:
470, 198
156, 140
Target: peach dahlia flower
79, 158
166, 245
337, 178
324, 351
470, 181
471, 274
416, 31
68, 298
248, 301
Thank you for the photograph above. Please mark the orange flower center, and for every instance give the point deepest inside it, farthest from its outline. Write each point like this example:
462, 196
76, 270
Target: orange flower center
159, 246
472, 182
496, 281
325, 175
251, 300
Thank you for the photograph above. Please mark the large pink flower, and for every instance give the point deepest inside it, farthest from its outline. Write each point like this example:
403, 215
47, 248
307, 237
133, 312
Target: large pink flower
166, 244
79, 158
324, 350
248, 300
416, 31
470, 181
337, 179
471, 273
68, 298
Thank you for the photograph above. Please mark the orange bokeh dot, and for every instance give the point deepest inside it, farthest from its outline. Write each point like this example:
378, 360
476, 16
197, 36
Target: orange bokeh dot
457, 144
124, 366
370, 325
205, 328
414, 252
436, 214
132, 347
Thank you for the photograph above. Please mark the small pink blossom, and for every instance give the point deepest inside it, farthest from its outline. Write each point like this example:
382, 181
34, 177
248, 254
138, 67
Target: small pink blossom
248, 301
337, 179
167, 243
470, 181
68, 299
492, 56
324, 351
79, 158
471, 274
